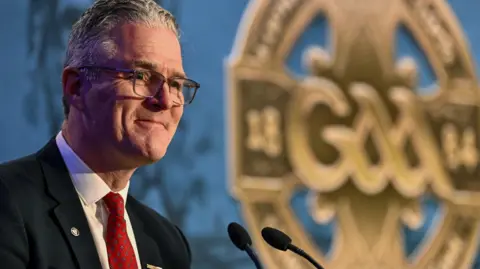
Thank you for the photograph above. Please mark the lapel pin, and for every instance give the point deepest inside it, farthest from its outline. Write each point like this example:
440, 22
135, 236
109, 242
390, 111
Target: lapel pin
75, 231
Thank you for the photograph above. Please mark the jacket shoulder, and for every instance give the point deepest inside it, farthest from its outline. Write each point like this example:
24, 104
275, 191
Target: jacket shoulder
22, 173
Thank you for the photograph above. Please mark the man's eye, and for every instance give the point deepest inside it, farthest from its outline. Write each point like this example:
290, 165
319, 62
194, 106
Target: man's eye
141, 76
175, 84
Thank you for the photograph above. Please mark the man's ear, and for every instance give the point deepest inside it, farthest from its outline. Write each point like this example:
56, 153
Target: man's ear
74, 84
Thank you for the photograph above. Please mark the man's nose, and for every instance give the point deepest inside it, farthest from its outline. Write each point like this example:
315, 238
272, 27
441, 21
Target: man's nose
162, 100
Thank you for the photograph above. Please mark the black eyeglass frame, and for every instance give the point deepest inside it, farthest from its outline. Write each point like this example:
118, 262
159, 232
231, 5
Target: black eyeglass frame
132, 76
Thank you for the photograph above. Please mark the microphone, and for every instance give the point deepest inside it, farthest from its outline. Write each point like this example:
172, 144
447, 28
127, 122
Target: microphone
242, 240
283, 242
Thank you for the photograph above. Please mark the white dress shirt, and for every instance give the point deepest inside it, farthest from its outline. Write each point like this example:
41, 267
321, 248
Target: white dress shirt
91, 189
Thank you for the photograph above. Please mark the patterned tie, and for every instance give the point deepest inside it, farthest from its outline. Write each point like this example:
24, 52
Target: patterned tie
119, 248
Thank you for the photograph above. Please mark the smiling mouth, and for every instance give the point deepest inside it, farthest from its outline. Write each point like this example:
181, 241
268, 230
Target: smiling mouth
151, 123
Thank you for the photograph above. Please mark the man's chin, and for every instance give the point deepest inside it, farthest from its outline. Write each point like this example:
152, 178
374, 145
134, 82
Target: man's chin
155, 154
142, 159
153, 158
144, 155
152, 145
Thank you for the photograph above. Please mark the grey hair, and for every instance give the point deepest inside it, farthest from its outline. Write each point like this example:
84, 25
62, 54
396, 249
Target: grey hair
90, 34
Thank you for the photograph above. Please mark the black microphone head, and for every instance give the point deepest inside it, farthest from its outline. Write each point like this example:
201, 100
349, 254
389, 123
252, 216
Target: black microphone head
239, 236
276, 238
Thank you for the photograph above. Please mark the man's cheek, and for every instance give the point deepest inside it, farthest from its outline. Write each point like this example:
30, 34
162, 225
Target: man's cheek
177, 114
106, 97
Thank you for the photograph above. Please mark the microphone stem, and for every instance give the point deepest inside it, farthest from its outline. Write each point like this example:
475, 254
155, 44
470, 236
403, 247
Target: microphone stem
253, 257
302, 253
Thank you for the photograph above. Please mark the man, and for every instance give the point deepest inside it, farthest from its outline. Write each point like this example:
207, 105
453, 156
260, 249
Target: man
124, 90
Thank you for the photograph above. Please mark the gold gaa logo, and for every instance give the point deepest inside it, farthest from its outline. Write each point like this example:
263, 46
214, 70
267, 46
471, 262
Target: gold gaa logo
356, 133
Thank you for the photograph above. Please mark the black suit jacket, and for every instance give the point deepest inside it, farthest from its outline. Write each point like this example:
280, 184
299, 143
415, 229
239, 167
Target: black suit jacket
39, 207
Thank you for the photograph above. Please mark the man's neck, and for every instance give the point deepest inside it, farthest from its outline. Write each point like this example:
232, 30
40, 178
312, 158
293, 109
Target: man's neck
98, 160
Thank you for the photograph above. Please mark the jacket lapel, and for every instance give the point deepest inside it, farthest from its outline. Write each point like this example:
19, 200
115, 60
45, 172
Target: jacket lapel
69, 211
147, 248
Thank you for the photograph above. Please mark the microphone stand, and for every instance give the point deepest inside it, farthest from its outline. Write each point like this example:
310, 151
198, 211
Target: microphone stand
253, 257
303, 254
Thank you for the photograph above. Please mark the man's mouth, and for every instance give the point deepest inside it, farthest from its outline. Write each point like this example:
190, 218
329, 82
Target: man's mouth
150, 123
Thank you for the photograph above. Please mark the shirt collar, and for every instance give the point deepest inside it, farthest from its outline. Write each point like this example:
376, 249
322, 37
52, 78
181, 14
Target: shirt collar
90, 187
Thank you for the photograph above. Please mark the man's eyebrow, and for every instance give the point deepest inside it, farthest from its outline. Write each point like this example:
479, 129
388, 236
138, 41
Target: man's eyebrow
145, 64
178, 74
151, 66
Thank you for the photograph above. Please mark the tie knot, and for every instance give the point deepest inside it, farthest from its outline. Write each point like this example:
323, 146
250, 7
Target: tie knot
115, 204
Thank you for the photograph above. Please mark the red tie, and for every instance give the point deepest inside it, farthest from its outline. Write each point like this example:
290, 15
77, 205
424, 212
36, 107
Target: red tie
119, 248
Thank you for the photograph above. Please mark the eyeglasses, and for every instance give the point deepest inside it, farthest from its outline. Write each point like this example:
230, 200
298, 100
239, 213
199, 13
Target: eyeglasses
148, 84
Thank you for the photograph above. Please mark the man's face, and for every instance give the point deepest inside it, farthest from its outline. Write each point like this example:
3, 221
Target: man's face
139, 129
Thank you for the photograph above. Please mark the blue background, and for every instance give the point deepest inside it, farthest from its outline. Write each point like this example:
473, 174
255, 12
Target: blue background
189, 186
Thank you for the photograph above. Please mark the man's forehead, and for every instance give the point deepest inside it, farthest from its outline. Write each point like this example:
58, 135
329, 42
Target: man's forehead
155, 48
